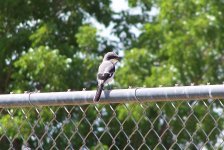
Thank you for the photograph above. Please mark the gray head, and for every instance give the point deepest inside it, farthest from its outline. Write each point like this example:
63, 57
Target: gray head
111, 56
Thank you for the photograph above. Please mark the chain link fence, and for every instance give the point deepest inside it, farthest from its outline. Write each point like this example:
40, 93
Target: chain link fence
191, 117
147, 125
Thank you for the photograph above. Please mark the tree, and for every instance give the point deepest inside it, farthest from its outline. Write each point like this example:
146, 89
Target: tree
182, 44
47, 46
50, 46
56, 24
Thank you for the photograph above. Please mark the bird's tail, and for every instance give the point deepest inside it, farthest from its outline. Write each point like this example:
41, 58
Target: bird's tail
98, 92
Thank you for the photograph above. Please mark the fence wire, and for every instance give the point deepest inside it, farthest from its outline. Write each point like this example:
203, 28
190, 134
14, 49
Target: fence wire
155, 125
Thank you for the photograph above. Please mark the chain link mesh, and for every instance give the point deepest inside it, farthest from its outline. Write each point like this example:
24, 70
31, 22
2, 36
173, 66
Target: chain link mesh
162, 125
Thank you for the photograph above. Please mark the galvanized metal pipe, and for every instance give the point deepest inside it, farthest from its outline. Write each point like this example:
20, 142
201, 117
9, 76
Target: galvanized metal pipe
176, 93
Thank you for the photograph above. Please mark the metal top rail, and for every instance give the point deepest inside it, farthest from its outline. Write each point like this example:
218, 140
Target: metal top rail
177, 93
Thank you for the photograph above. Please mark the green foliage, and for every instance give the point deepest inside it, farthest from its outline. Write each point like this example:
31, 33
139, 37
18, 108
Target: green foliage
184, 40
137, 64
83, 71
50, 46
41, 35
8, 125
41, 68
185, 32
86, 38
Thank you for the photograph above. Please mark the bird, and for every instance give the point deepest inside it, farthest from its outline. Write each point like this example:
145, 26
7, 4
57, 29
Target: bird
106, 72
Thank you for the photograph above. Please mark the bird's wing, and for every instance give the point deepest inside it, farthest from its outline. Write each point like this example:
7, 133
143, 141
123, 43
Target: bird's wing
106, 70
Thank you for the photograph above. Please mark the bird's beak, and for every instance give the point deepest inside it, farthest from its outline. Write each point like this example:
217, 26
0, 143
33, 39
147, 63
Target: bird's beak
119, 58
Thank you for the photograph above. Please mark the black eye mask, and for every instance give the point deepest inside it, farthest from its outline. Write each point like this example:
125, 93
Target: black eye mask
112, 57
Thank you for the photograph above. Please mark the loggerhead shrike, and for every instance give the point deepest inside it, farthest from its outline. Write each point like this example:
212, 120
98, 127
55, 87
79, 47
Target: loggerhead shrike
106, 72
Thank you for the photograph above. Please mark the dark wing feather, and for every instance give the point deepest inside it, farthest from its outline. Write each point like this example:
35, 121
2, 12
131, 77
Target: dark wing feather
106, 70
104, 76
